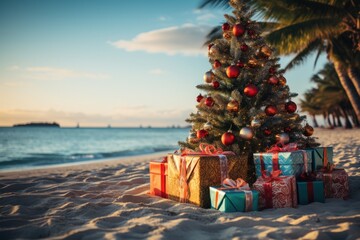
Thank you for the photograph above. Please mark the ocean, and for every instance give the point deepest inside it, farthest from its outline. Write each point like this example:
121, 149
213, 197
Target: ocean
28, 147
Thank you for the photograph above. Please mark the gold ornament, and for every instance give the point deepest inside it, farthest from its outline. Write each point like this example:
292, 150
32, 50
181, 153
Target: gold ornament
266, 50
282, 80
246, 133
252, 63
308, 130
227, 35
233, 106
209, 77
282, 138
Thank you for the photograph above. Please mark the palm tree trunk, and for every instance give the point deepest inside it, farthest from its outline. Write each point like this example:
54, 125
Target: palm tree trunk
354, 77
329, 120
348, 124
348, 87
338, 115
314, 121
334, 120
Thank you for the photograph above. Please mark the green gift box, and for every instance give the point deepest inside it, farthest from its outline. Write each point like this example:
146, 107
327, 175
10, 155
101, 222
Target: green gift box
321, 156
233, 200
310, 191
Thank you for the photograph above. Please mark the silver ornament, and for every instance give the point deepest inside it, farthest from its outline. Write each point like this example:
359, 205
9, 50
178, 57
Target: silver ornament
255, 123
208, 126
282, 138
246, 133
209, 77
214, 50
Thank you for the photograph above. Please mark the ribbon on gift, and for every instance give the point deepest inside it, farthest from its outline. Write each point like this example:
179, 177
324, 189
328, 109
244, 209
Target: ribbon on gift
239, 185
205, 149
309, 179
269, 178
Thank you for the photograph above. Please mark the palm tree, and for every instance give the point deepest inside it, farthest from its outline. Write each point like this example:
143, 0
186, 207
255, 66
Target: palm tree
314, 26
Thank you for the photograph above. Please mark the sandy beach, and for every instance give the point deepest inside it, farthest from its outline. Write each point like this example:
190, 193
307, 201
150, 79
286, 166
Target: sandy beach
109, 200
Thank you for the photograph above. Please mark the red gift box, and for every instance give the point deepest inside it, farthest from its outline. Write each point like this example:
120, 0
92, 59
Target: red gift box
158, 176
276, 191
336, 183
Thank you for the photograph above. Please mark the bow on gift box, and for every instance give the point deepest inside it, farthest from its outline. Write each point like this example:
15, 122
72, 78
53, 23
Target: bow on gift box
280, 147
205, 149
240, 186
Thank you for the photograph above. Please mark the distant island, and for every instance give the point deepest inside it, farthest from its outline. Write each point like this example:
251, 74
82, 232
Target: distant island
37, 124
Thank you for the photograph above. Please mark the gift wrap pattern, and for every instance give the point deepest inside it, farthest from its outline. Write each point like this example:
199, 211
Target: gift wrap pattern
290, 163
279, 193
321, 156
311, 191
233, 200
336, 183
202, 172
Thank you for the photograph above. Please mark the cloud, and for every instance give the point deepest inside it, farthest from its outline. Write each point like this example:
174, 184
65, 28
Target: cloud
185, 40
162, 18
157, 71
206, 17
14, 68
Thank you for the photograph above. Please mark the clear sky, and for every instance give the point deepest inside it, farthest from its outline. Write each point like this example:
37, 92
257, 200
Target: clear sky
100, 62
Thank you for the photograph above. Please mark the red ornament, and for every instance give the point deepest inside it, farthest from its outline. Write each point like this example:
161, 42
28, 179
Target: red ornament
233, 71
240, 64
272, 70
271, 110
202, 133
209, 101
216, 84
228, 138
273, 80
290, 107
210, 45
238, 30
199, 98
287, 129
216, 64
244, 47
251, 90
225, 27
251, 32
267, 132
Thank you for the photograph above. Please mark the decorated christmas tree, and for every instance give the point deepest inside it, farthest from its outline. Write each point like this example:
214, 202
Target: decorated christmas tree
246, 104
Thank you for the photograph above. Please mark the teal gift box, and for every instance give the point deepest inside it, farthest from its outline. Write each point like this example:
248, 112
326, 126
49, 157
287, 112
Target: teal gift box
233, 200
310, 191
290, 163
321, 156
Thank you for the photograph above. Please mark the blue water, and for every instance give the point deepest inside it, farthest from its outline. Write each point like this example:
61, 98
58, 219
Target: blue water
31, 147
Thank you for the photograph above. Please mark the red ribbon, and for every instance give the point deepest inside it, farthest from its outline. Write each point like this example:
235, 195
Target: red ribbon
269, 178
310, 191
205, 149
280, 147
184, 187
325, 157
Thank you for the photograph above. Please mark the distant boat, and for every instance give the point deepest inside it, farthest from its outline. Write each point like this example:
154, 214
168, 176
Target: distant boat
37, 124
109, 126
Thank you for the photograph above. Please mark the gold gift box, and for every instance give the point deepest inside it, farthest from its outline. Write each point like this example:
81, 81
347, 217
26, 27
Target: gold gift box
206, 172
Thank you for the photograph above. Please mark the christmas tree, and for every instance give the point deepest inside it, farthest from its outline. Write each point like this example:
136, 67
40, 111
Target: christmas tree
247, 104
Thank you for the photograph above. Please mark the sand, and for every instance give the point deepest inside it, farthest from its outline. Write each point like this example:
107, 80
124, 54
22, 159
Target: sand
108, 200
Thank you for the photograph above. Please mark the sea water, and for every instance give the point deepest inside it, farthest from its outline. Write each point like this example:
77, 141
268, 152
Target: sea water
27, 147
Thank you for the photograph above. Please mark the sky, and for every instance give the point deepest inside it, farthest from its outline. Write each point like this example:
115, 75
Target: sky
99, 62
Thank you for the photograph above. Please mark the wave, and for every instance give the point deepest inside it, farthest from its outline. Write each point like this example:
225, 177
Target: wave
45, 159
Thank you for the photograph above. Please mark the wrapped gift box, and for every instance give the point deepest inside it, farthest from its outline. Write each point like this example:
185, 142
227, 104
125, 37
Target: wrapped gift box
232, 200
321, 156
290, 163
336, 183
310, 191
280, 192
158, 177
201, 172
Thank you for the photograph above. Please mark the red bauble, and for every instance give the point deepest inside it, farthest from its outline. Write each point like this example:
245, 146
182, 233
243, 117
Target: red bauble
240, 64
216, 84
273, 80
287, 129
251, 90
209, 101
210, 45
216, 64
267, 132
201, 133
271, 110
228, 138
251, 32
244, 47
225, 27
290, 107
199, 98
272, 70
238, 30
232, 71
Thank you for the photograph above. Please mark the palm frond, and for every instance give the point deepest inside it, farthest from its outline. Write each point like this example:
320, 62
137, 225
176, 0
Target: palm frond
304, 53
214, 3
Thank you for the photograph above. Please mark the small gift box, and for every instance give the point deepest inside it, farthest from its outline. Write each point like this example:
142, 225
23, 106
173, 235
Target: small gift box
234, 197
287, 159
310, 190
321, 157
192, 173
276, 191
336, 182
158, 176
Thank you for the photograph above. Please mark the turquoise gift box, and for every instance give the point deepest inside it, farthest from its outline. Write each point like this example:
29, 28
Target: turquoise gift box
321, 156
290, 163
232, 200
311, 191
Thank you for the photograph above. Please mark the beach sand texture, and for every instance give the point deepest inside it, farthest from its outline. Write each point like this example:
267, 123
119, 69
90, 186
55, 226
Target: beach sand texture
109, 200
